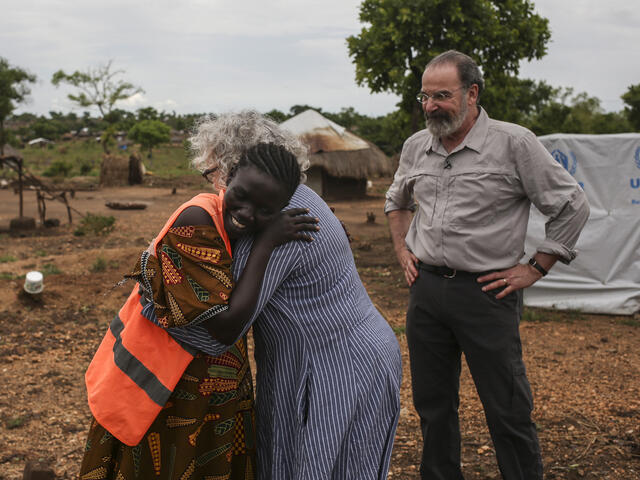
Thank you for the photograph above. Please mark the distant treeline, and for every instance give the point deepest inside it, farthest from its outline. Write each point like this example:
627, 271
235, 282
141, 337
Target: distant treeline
540, 108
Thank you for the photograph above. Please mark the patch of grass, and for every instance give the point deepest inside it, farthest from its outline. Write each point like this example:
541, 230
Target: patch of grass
7, 276
40, 253
85, 157
50, 269
95, 224
7, 258
632, 321
399, 330
16, 422
99, 265
58, 168
529, 315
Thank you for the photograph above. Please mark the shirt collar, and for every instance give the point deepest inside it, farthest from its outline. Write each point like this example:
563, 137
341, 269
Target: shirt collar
474, 139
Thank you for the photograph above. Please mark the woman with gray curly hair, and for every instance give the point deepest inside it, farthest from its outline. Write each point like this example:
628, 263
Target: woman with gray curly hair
218, 142
329, 367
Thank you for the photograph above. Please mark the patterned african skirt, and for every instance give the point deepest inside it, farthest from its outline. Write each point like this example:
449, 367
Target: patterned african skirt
205, 431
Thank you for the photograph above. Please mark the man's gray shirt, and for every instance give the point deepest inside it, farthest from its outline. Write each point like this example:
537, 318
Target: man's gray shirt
473, 215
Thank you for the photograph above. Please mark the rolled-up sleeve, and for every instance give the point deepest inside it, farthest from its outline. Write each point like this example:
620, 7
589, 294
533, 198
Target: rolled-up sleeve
556, 194
400, 196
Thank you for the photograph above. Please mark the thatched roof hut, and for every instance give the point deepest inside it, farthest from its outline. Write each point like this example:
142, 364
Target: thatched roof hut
341, 162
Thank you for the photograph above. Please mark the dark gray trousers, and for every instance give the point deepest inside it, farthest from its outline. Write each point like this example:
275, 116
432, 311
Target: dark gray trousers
447, 316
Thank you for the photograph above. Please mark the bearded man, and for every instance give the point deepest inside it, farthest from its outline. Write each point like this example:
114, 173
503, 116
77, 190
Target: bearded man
470, 181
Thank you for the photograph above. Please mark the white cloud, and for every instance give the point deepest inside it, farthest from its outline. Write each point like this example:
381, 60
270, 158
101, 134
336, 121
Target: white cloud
206, 55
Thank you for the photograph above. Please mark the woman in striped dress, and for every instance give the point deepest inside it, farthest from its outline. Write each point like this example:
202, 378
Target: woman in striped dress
328, 364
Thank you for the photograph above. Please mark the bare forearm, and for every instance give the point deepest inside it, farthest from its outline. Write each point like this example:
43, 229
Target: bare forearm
399, 222
227, 326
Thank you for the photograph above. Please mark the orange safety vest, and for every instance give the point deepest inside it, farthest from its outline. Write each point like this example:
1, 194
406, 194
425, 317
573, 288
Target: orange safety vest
138, 363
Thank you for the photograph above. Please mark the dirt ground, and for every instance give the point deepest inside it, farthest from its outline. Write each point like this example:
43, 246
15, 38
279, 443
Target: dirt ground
584, 369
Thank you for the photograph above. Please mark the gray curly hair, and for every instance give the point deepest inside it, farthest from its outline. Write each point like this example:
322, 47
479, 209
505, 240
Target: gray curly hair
220, 140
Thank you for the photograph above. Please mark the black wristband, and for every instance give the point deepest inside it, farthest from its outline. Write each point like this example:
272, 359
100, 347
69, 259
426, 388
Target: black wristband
537, 266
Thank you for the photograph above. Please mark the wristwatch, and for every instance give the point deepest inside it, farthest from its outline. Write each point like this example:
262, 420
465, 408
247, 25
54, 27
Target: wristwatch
537, 266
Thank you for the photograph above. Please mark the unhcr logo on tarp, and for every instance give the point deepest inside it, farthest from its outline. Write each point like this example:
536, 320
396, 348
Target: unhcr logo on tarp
563, 160
635, 182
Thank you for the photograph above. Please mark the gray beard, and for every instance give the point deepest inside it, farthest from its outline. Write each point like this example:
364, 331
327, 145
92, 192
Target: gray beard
443, 127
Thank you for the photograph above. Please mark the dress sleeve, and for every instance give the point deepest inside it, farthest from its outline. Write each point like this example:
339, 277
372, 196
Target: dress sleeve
190, 279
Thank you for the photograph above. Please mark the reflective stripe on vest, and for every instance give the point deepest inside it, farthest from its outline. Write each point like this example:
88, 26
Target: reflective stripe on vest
138, 364
135, 369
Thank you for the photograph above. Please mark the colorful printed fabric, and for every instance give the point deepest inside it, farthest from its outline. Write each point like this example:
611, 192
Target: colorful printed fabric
206, 430
190, 278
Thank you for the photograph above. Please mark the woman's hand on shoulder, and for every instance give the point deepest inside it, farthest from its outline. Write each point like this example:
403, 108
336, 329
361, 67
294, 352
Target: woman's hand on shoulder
288, 225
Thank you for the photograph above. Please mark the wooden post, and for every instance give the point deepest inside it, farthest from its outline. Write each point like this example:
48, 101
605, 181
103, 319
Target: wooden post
20, 185
66, 202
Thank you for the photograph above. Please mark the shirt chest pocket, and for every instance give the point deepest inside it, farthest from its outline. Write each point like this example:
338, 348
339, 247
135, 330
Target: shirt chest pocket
425, 194
473, 198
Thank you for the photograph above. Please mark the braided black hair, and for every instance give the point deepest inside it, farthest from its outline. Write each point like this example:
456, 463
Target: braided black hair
274, 160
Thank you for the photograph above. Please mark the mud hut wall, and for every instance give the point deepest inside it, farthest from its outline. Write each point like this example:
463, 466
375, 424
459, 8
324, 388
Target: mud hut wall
315, 179
343, 187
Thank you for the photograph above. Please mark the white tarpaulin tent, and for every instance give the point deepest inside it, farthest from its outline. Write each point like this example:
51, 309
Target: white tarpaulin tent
605, 277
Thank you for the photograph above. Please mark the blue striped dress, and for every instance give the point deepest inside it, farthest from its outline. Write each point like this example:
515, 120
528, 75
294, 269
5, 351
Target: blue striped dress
329, 367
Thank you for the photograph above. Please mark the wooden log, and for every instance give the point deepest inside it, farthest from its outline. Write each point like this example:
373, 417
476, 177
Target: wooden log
126, 205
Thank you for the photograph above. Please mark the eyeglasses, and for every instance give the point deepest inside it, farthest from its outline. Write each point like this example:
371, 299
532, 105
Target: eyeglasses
208, 172
441, 96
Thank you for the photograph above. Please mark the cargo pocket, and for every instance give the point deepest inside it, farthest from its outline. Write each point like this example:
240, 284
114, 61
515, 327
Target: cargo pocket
425, 193
473, 201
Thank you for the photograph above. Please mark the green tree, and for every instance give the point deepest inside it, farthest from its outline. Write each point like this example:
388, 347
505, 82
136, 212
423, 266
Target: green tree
150, 133
147, 113
566, 112
14, 89
97, 87
399, 38
632, 109
277, 116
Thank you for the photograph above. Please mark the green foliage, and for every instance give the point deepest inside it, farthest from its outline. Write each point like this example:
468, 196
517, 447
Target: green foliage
7, 258
99, 265
95, 224
632, 99
85, 165
565, 112
398, 39
13, 90
147, 113
150, 133
97, 87
16, 422
534, 316
58, 168
50, 269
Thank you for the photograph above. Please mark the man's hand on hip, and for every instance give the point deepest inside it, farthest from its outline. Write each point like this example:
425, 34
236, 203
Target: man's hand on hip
510, 280
408, 262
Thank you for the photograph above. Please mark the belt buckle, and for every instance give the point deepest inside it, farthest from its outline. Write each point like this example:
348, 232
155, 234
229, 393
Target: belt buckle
452, 275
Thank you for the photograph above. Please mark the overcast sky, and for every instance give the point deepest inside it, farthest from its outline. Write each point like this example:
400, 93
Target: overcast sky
213, 55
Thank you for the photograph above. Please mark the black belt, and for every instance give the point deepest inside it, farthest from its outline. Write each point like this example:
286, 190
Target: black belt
447, 272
